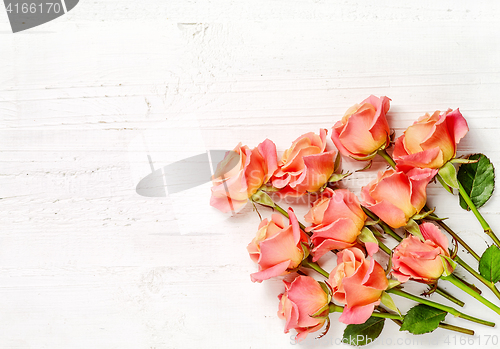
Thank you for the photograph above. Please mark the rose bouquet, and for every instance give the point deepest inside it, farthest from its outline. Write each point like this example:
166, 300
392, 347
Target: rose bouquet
392, 206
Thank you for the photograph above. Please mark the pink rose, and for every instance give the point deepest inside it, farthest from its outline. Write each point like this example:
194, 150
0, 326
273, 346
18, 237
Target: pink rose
241, 174
431, 141
363, 129
305, 166
337, 220
395, 196
302, 298
357, 283
277, 248
420, 260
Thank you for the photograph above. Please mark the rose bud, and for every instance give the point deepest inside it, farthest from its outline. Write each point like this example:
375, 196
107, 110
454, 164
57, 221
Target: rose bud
357, 283
431, 141
241, 174
303, 297
363, 129
395, 196
421, 260
277, 249
306, 166
337, 220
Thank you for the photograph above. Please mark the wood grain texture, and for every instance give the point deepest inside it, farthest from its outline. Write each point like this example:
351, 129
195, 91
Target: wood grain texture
85, 262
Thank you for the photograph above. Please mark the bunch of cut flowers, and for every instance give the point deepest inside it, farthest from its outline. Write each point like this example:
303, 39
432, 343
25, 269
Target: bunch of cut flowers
355, 232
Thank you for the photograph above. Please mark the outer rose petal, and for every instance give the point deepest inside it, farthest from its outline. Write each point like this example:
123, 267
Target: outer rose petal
281, 247
457, 125
309, 297
389, 214
271, 272
356, 136
357, 315
225, 204
268, 151
371, 248
318, 169
431, 232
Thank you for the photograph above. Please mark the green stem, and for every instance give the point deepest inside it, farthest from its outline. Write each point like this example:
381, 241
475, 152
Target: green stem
456, 329
387, 229
480, 218
306, 263
384, 248
397, 319
387, 157
448, 309
455, 281
478, 276
449, 297
456, 237
284, 213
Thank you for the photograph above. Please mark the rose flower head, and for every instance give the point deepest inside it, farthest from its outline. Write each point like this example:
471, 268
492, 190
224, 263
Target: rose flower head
357, 283
422, 260
303, 297
242, 172
306, 166
337, 219
397, 196
277, 248
431, 141
363, 129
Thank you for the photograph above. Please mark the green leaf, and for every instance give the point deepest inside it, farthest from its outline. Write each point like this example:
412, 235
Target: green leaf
422, 319
338, 176
262, 198
478, 180
413, 229
448, 174
449, 265
387, 300
489, 265
366, 235
364, 333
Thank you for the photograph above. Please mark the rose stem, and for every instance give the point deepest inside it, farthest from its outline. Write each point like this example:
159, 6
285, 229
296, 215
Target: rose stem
438, 290
397, 319
284, 213
454, 235
478, 276
441, 324
387, 157
306, 263
448, 309
457, 282
480, 218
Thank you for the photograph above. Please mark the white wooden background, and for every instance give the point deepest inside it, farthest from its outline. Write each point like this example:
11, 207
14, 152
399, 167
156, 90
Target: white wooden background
85, 262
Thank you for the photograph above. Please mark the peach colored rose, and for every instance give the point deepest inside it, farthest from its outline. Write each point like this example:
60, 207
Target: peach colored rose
363, 129
431, 141
395, 196
241, 174
305, 167
277, 248
357, 283
337, 219
302, 298
420, 260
